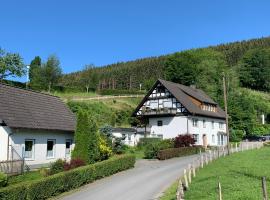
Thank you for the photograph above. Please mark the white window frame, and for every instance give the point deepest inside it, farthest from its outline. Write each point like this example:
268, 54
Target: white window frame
54, 149
195, 122
221, 125
213, 139
204, 123
33, 149
70, 147
196, 138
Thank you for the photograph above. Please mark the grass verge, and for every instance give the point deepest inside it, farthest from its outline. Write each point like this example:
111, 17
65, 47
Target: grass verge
239, 174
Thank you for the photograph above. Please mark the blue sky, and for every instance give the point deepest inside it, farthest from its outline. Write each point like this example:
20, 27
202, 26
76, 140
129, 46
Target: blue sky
101, 32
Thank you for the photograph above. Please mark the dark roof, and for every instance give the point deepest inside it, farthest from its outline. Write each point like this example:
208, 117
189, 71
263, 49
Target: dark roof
182, 93
20, 108
119, 129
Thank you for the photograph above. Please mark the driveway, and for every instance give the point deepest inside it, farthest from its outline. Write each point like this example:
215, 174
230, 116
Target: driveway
146, 181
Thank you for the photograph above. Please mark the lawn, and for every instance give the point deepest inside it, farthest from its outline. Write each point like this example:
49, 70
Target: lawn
28, 176
239, 174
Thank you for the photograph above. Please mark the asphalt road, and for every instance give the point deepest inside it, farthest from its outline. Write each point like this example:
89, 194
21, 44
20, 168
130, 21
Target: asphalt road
144, 182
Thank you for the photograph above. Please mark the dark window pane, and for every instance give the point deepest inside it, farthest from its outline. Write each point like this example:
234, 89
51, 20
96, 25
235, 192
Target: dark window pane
50, 144
28, 145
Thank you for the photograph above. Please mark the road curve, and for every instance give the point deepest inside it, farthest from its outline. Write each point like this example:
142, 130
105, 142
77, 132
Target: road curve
144, 182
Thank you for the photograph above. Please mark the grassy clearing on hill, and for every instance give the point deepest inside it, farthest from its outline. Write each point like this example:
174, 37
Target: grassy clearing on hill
239, 174
115, 112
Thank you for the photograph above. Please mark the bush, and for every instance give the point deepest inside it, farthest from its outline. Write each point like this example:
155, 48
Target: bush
152, 149
186, 140
3, 179
86, 137
57, 166
177, 152
145, 141
65, 181
44, 171
74, 163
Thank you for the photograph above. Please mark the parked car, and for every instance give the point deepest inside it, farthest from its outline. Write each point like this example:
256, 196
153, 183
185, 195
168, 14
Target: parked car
255, 138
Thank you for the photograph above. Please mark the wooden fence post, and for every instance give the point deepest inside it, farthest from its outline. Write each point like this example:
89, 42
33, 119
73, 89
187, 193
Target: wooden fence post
210, 156
185, 178
264, 189
201, 161
206, 158
189, 173
193, 170
219, 191
180, 191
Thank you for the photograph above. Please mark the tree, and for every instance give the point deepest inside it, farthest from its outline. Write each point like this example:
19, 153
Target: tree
254, 69
52, 71
34, 65
86, 138
11, 64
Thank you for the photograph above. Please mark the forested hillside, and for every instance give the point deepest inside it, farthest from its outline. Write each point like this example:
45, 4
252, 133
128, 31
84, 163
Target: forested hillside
245, 64
129, 75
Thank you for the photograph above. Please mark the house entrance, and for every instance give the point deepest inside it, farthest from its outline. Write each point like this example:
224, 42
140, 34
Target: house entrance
205, 140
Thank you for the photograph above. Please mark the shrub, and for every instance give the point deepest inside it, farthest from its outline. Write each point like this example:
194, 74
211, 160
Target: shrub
3, 179
118, 145
152, 149
44, 171
145, 141
65, 181
177, 152
74, 163
104, 149
57, 166
86, 137
186, 140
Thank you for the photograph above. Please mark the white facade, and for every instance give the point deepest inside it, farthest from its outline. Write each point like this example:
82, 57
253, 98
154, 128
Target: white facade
131, 139
207, 131
37, 147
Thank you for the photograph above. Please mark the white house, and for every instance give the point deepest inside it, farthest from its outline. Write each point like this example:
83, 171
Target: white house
131, 135
172, 109
35, 126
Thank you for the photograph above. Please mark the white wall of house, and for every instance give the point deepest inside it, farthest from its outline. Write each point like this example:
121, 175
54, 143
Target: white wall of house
131, 138
4, 131
173, 126
40, 139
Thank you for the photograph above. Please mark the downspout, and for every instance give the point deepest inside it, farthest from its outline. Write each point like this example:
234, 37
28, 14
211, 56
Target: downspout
187, 126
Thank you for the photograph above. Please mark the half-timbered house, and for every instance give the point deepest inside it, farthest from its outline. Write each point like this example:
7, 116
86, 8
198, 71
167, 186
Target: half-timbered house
171, 109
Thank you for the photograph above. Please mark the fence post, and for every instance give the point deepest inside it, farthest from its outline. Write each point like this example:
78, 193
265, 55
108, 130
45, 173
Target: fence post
193, 170
189, 173
210, 156
180, 191
185, 178
264, 189
201, 161
219, 191
206, 158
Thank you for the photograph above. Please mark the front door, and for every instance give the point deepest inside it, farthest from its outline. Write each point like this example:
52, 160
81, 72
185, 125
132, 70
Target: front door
204, 140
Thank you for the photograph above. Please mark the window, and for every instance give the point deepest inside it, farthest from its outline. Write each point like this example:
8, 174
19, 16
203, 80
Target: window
159, 123
195, 122
29, 149
50, 148
213, 139
196, 137
68, 146
221, 125
213, 124
204, 124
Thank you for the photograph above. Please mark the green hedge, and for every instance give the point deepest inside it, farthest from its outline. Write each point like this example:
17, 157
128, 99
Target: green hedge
65, 181
145, 141
177, 152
